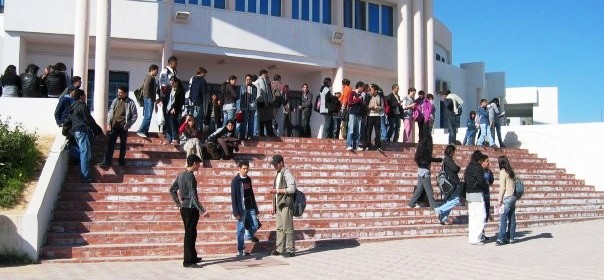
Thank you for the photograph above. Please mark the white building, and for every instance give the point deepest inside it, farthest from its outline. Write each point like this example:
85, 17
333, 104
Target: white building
532, 105
376, 41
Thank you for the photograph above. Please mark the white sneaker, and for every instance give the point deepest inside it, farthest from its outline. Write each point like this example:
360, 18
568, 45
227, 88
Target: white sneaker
141, 134
348, 148
360, 149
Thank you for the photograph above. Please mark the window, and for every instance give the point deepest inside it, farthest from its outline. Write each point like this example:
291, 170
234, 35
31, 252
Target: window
193, 2
207, 3
265, 7
359, 15
251, 6
387, 20
220, 4
276, 8
374, 18
312, 10
240, 5
179, 1
116, 78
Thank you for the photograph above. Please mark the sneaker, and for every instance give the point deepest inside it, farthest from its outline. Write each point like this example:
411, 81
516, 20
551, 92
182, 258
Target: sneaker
140, 134
254, 239
360, 149
289, 254
499, 243
348, 148
243, 254
104, 164
380, 150
197, 260
191, 265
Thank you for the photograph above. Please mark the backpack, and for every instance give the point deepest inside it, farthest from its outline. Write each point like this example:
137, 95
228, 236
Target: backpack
138, 96
67, 124
518, 188
459, 109
444, 185
299, 203
277, 97
210, 150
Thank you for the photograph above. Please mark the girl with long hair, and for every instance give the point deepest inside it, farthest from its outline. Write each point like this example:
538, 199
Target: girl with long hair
506, 197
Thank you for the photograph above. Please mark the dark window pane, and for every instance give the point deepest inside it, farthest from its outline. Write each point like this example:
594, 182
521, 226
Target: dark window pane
316, 10
359, 14
264, 7
116, 78
387, 20
193, 2
179, 1
251, 6
276, 8
327, 11
295, 9
374, 18
220, 4
206, 3
305, 9
348, 13
240, 5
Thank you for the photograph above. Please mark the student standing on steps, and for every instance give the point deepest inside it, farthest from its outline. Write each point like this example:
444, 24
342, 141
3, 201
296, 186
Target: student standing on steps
245, 209
184, 194
284, 188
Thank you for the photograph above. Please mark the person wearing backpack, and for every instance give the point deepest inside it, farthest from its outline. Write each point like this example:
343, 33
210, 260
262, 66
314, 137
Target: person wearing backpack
506, 197
452, 118
451, 171
283, 190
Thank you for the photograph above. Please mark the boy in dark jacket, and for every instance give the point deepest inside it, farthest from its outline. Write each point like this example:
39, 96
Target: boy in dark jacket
245, 209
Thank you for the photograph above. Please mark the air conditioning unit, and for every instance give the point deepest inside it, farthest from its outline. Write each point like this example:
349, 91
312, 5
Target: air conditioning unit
442, 85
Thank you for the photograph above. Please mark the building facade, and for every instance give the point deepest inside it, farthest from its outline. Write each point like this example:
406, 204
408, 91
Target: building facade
375, 41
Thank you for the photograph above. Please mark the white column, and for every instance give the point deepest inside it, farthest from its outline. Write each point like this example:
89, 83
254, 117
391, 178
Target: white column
286, 9
430, 60
339, 13
418, 50
101, 68
402, 41
80, 42
230, 5
167, 50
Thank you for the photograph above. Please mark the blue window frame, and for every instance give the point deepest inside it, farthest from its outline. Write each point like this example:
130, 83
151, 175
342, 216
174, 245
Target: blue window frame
251, 6
276, 8
220, 4
207, 3
240, 5
194, 2
264, 7
348, 13
360, 20
296, 9
387, 20
305, 10
327, 11
316, 10
374, 17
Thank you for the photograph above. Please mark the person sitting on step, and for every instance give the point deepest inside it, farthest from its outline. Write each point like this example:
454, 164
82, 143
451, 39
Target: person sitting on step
225, 138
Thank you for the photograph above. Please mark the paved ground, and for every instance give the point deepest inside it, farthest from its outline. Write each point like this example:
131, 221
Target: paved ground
567, 251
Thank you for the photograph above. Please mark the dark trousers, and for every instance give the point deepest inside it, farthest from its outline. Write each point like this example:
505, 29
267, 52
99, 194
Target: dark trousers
227, 144
122, 133
190, 217
452, 124
374, 124
394, 126
269, 128
305, 124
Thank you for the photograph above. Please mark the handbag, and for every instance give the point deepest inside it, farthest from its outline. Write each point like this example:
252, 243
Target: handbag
159, 115
239, 117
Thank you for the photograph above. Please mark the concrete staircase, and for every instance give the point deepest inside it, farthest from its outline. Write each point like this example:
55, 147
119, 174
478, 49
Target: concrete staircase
352, 197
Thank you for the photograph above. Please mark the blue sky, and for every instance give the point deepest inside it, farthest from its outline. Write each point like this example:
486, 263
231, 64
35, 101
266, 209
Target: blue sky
536, 43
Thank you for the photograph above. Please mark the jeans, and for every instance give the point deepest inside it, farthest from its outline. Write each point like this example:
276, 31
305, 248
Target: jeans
305, 124
445, 210
256, 123
83, 142
198, 115
122, 133
498, 131
485, 131
507, 221
354, 131
250, 216
147, 113
373, 125
328, 125
246, 128
190, 217
394, 126
228, 113
384, 127
171, 127
469, 139
452, 123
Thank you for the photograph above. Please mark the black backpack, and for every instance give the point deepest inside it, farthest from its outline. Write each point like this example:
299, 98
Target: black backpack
444, 185
299, 203
518, 188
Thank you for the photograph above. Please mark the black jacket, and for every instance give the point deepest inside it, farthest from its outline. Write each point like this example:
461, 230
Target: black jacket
217, 113
82, 120
179, 101
237, 197
30, 85
474, 177
56, 82
451, 169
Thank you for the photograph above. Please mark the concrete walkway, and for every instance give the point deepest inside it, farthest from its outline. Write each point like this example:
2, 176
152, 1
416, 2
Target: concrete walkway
567, 251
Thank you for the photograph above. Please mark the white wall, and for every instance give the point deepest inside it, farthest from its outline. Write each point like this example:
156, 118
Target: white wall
574, 147
546, 110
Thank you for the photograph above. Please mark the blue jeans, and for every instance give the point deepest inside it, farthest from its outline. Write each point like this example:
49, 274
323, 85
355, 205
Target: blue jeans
394, 126
445, 210
147, 113
250, 216
112, 136
384, 124
171, 127
83, 141
507, 221
485, 131
452, 123
354, 131
470, 136
197, 113
228, 114
246, 128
